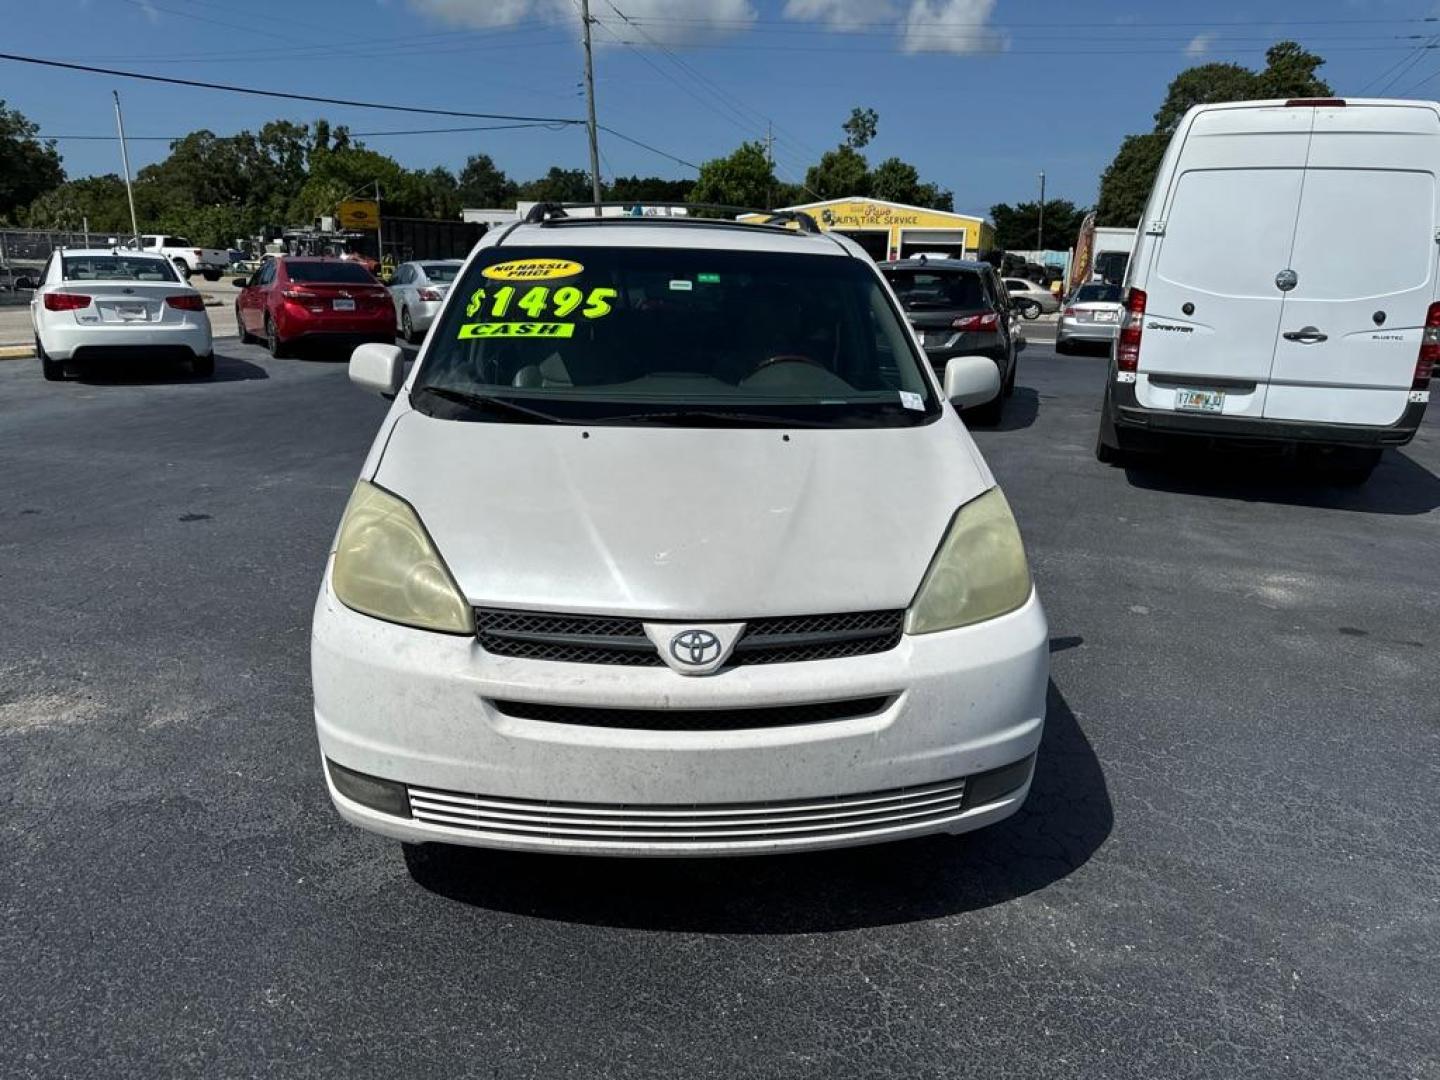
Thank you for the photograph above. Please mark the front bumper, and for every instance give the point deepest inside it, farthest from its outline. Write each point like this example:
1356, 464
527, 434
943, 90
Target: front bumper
417, 708
1137, 421
122, 342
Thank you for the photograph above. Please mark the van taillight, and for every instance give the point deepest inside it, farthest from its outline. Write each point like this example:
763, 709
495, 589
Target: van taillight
1127, 350
1316, 102
988, 321
1429, 349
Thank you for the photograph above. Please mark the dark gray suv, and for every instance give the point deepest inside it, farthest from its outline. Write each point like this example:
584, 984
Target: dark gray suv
959, 308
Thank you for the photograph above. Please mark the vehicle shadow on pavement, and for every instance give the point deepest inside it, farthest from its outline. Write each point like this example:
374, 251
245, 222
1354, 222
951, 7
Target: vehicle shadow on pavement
1021, 410
1065, 820
1399, 485
158, 372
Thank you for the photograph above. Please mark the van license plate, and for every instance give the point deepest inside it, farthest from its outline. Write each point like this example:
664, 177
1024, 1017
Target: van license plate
343, 305
1200, 400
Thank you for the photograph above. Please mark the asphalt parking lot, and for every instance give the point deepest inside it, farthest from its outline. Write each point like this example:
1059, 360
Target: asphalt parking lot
1229, 864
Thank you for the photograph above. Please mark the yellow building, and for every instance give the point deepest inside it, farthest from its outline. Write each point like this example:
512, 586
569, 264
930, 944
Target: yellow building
889, 230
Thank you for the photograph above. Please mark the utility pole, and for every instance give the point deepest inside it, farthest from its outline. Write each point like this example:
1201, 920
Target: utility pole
379, 233
769, 144
1040, 231
590, 106
125, 160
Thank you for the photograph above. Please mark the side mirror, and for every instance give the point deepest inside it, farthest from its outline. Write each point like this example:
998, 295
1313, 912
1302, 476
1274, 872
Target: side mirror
969, 380
379, 368
240, 282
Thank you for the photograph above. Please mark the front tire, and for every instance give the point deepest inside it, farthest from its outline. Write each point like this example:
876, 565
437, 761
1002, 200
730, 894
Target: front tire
245, 336
182, 268
53, 370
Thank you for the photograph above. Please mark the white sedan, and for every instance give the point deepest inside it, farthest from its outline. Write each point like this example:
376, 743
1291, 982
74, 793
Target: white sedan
417, 290
114, 305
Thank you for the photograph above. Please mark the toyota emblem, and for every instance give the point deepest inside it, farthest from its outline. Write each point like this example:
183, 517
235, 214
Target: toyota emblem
695, 647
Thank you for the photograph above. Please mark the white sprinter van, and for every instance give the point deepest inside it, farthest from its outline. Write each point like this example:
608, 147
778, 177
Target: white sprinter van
1283, 284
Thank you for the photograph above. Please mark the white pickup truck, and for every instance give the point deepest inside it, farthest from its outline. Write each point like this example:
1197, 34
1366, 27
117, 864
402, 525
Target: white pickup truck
187, 258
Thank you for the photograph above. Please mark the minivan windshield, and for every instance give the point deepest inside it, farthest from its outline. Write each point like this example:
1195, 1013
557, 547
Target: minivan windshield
674, 336
937, 289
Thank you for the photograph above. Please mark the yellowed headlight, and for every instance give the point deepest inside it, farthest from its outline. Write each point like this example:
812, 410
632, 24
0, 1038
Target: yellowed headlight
979, 572
387, 566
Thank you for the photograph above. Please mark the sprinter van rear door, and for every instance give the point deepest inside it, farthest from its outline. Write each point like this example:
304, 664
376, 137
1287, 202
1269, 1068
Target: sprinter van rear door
1364, 263
1212, 310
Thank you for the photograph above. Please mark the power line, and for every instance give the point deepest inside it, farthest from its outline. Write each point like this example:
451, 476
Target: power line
282, 94
353, 134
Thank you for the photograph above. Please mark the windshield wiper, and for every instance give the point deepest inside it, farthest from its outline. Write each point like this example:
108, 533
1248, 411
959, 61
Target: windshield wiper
493, 404
709, 418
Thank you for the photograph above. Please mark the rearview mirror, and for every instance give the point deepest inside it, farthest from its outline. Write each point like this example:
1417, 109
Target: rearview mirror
969, 380
379, 368
240, 282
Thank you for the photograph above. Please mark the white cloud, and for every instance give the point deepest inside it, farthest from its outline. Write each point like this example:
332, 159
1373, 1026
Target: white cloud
1200, 45
150, 11
953, 26
840, 14
666, 22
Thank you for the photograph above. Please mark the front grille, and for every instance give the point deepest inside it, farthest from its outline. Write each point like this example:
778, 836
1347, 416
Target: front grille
732, 826
695, 719
603, 639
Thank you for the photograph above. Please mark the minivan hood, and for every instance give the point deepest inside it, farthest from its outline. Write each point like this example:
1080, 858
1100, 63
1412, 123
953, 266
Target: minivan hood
683, 523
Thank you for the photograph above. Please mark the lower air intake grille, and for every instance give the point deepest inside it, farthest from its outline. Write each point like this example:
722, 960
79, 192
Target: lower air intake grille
603, 639
695, 719
732, 826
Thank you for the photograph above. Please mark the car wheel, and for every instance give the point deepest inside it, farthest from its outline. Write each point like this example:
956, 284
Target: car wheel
1062, 346
212, 275
245, 336
1008, 390
53, 370
407, 328
272, 339
988, 415
203, 366
1030, 309
182, 268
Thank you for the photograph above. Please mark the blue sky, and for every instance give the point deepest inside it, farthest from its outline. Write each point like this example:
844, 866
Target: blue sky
980, 95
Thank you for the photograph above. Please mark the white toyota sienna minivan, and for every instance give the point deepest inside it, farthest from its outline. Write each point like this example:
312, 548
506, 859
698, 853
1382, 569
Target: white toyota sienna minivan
670, 544
1283, 285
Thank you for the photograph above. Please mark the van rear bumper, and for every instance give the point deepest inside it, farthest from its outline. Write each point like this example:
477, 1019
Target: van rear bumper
1132, 417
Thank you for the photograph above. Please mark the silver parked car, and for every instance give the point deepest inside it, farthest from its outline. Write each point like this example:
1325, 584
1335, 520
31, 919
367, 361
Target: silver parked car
1031, 299
1092, 316
417, 290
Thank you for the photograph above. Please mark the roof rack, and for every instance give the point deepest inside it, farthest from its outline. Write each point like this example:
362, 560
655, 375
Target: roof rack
544, 213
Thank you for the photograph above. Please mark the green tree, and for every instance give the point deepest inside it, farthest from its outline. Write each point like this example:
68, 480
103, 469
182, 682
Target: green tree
484, 184
98, 199
744, 178
559, 185
899, 181
860, 128
1290, 71
840, 172
28, 166
1125, 184
648, 189
1016, 227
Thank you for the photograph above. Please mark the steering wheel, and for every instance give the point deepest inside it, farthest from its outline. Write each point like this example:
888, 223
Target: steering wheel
788, 358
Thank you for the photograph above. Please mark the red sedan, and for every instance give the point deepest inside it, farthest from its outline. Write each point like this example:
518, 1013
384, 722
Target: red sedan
297, 298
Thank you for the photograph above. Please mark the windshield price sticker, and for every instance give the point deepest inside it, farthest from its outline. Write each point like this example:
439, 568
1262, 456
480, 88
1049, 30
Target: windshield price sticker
518, 329
533, 270
534, 304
